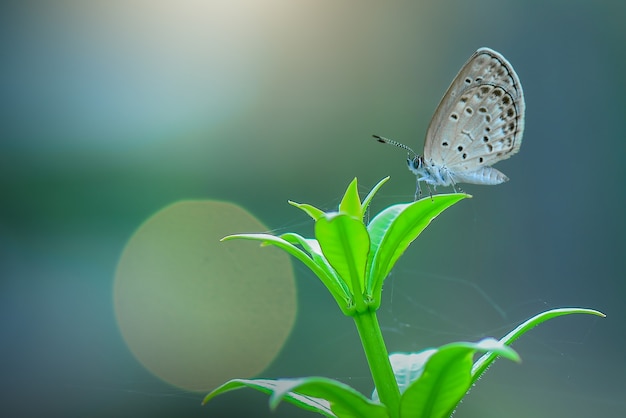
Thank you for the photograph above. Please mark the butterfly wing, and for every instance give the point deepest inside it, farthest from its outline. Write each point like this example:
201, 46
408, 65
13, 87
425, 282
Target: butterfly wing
479, 121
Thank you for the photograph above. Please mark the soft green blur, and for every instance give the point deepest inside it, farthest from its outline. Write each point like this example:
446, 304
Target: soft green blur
113, 110
190, 308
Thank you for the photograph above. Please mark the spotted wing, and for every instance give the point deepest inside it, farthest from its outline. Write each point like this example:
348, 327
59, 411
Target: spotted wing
480, 119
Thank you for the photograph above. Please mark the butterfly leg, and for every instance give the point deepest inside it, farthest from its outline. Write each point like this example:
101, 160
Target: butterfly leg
456, 188
418, 190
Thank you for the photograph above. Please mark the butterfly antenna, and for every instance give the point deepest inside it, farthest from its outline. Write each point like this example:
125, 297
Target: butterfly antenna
392, 142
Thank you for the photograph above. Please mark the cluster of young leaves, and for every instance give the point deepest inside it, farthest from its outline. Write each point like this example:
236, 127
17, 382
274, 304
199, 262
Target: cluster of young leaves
352, 259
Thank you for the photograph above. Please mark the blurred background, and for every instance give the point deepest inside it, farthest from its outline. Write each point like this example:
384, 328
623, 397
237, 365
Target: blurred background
113, 110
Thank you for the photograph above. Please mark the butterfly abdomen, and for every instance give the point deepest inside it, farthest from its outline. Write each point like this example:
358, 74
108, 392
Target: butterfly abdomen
484, 175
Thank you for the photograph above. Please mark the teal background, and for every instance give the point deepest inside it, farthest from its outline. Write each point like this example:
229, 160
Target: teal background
113, 110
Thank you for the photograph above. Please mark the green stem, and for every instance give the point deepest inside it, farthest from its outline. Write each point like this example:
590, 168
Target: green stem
378, 360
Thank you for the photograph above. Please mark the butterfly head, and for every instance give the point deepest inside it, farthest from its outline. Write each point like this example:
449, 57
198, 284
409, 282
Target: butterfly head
417, 165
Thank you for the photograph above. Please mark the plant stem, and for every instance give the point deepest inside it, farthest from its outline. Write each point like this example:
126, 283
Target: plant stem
378, 360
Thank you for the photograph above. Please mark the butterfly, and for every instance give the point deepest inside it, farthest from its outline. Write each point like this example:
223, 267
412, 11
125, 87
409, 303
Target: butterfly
479, 121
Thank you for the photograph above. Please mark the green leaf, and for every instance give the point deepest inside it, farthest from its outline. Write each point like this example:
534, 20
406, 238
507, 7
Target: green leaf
485, 361
313, 248
393, 229
310, 210
370, 195
345, 244
317, 266
344, 401
445, 379
268, 386
351, 203
441, 386
407, 367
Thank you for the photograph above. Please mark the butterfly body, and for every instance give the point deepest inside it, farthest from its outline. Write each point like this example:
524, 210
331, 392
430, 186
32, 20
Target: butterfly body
439, 175
479, 121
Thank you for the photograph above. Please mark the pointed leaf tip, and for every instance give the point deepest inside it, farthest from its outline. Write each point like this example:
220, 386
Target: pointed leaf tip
370, 195
310, 210
351, 203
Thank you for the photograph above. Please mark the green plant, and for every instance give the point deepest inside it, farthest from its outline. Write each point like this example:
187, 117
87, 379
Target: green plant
353, 259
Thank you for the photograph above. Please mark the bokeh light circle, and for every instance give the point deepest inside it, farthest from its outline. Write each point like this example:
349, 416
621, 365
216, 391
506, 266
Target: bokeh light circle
196, 311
